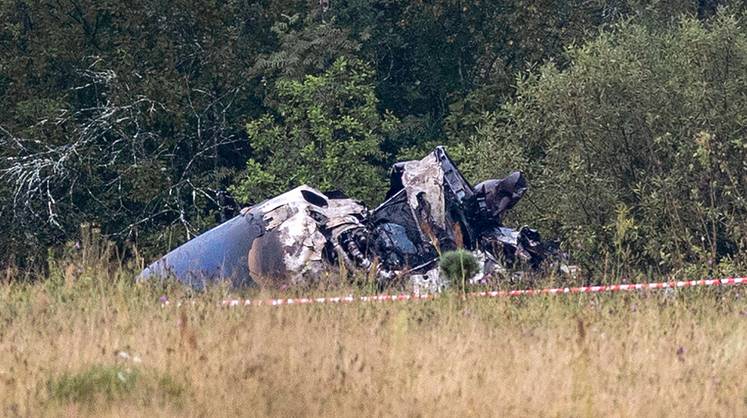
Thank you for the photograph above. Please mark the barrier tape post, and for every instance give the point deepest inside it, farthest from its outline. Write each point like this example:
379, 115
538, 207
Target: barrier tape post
731, 281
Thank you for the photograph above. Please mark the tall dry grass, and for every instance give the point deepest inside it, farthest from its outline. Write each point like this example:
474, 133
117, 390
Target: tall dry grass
93, 344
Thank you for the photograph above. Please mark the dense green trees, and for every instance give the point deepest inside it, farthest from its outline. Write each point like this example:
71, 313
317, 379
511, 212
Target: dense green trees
325, 131
636, 151
157, 119
127, 115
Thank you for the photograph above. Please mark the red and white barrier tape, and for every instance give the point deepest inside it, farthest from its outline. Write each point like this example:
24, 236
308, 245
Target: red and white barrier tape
491, 294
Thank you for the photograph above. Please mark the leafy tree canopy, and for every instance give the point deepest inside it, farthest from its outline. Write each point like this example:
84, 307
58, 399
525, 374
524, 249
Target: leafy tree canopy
133, 115
325, 131
636, 151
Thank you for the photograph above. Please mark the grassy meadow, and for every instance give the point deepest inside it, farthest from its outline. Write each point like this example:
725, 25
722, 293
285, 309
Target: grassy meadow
94, 344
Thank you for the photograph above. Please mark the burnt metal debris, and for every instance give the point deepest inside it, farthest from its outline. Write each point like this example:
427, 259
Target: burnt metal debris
297, 237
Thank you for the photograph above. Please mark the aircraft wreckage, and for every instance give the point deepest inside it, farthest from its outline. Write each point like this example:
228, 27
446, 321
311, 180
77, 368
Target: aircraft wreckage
297, 237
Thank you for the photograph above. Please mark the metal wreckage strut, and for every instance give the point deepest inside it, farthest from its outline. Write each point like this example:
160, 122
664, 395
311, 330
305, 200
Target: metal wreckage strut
296, 237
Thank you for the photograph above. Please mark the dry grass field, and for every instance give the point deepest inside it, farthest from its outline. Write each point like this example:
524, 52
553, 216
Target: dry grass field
97, 345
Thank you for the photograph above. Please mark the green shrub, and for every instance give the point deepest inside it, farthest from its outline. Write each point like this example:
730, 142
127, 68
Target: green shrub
458, 266
636, 151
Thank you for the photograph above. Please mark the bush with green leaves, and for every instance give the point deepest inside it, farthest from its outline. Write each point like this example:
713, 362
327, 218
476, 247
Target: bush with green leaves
458, 266
637, 151
325, 131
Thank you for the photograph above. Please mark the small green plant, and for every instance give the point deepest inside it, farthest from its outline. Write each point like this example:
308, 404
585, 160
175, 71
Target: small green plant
458, 266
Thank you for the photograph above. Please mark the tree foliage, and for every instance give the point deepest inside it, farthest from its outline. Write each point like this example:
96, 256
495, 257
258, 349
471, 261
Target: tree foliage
133, 116
125, 115
637, 150
325, 131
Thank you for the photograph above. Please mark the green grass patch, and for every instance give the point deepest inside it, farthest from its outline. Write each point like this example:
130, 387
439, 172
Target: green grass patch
110, 383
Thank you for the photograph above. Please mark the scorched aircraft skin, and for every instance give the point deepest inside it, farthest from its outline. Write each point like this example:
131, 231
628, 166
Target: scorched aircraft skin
298, 236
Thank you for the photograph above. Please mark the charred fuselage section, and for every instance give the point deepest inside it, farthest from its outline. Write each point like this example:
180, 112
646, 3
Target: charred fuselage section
297, 237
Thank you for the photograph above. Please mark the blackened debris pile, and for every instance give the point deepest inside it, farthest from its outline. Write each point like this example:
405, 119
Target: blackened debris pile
430, 208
